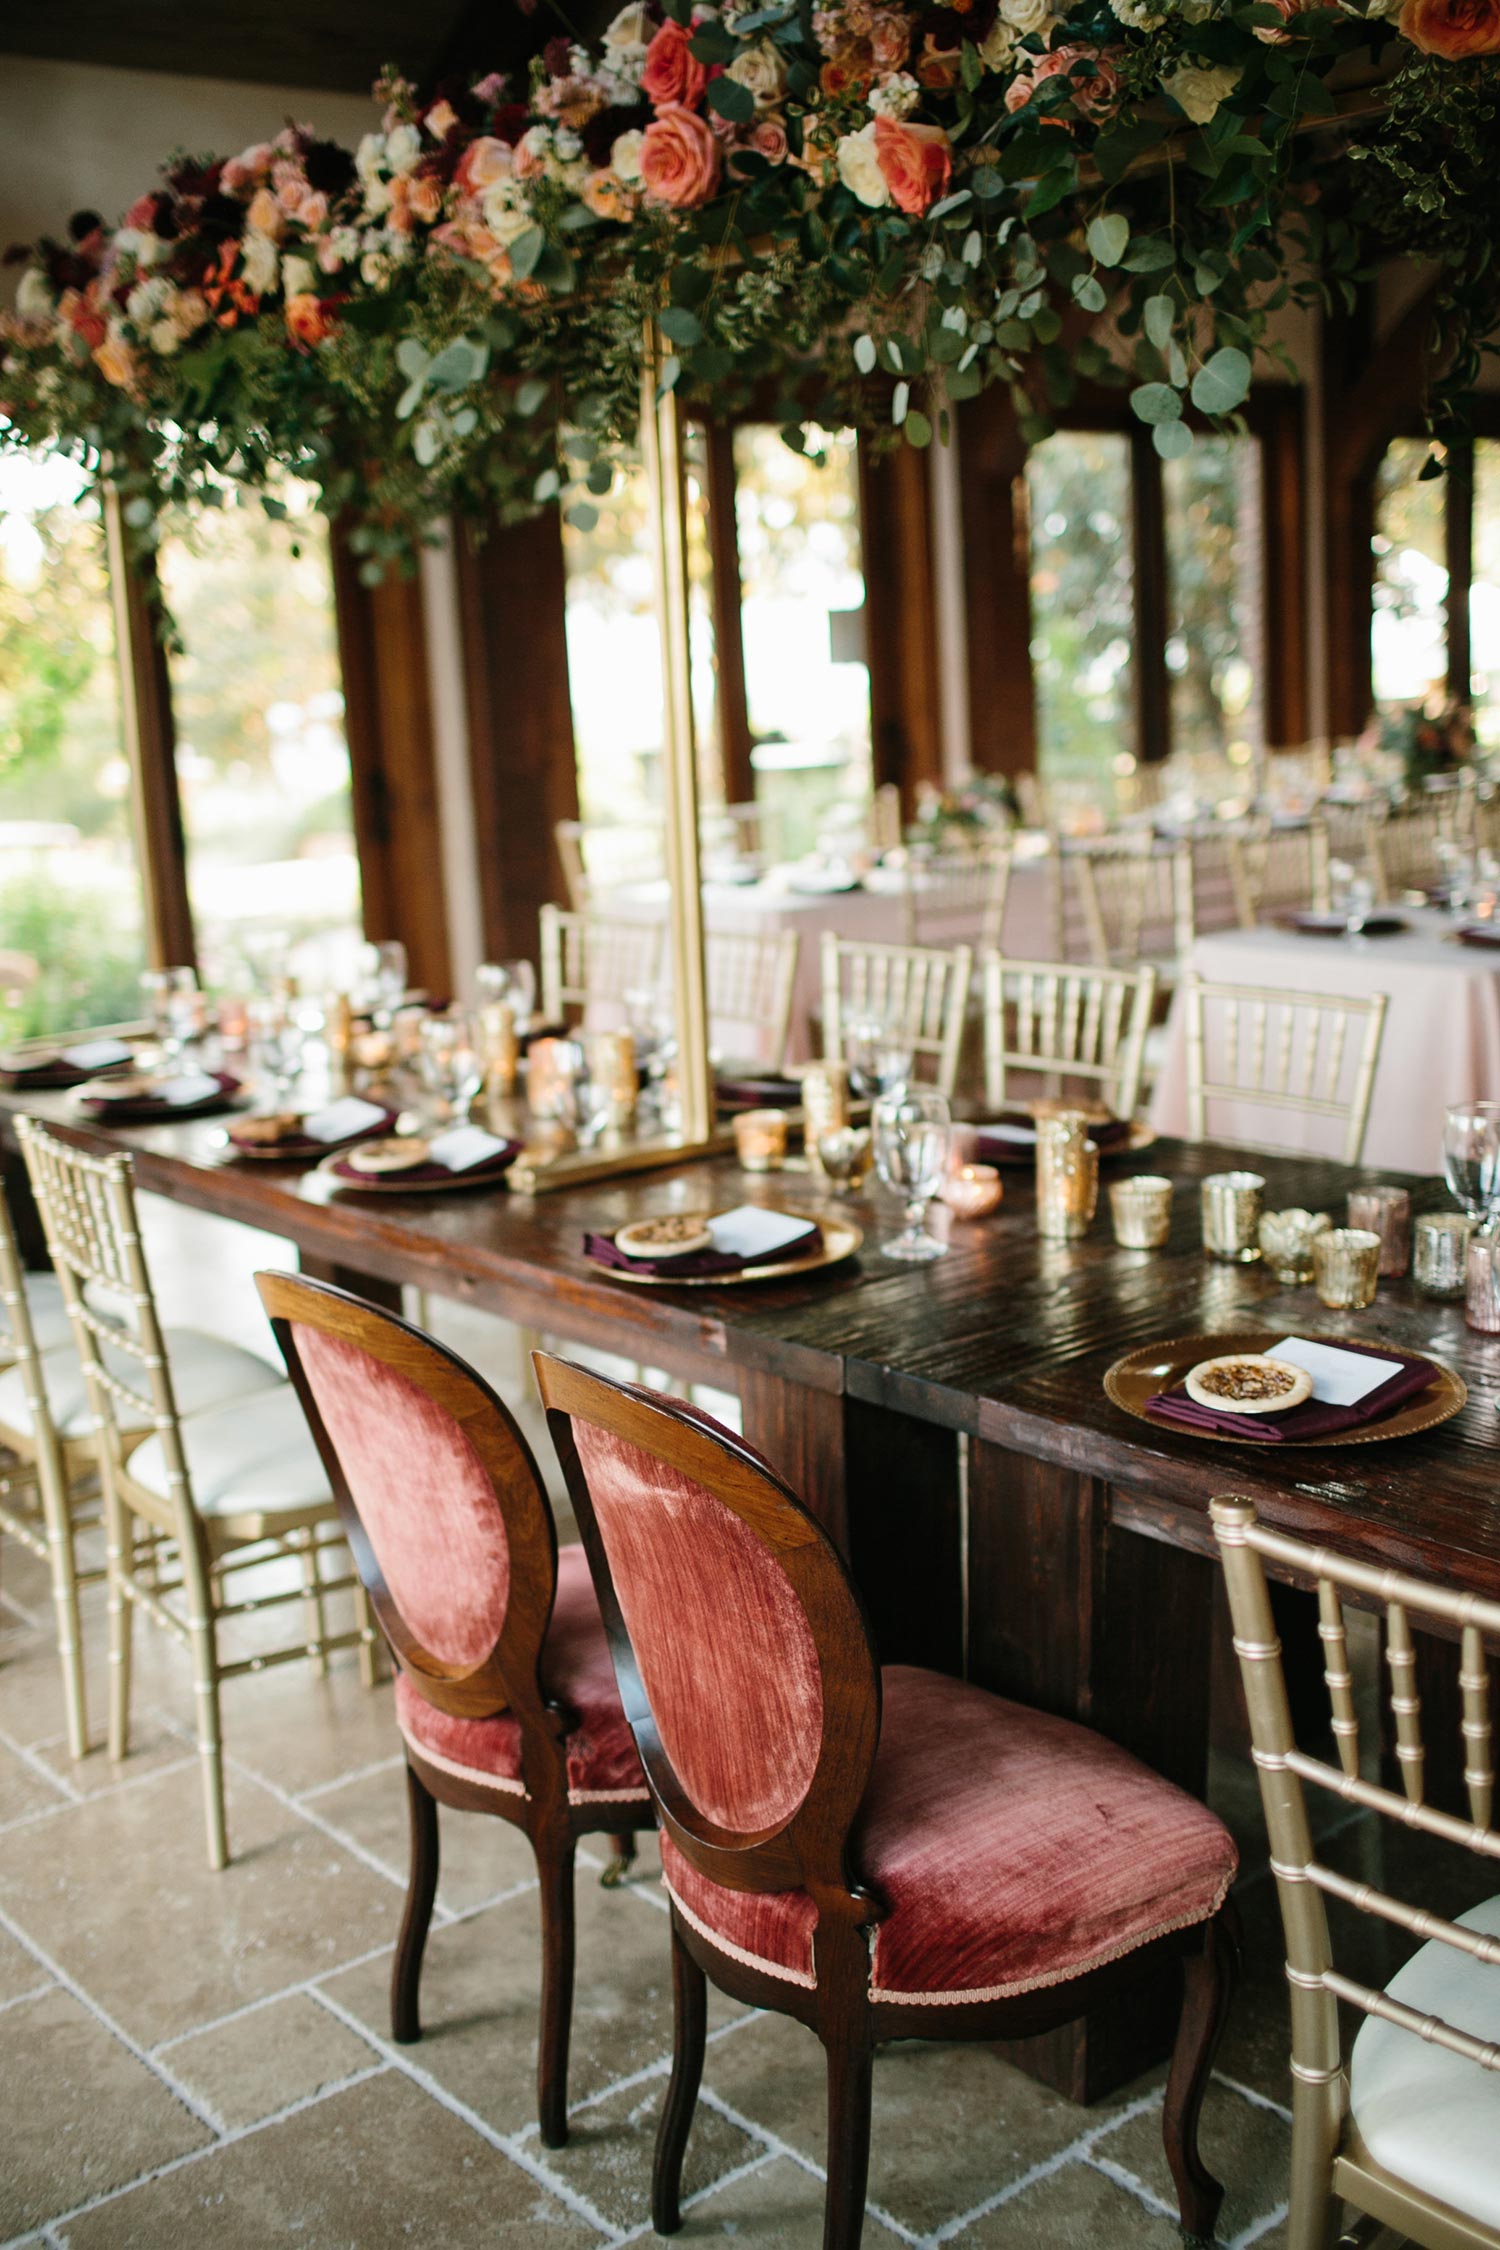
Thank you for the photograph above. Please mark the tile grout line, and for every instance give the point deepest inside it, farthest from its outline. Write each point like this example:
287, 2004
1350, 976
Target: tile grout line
1253, 2097
660, 2068
776, 2146
1044, 2169
745, 2171
19, 1999
341, 1780
229, 2137
1259, 2227
505, 2143
1130, 2183
38, 1766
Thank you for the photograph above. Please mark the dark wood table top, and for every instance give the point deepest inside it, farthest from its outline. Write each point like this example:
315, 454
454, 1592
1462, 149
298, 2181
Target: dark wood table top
1006, 1339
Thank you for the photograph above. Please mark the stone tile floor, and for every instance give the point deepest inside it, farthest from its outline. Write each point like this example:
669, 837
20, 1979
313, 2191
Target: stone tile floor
189, 2058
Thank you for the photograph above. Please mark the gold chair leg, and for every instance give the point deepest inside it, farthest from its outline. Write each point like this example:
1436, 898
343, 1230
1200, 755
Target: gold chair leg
120, 1536
317, 1622
57, 1515
1313, 2223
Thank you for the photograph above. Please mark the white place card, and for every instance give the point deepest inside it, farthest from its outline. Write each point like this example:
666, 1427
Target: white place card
341, 1120
751, 1231
190, 1086
464, 1147
1339, 1378
96, 1054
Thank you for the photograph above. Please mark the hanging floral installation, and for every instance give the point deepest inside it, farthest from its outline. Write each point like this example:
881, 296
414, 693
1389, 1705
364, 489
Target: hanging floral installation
868, 211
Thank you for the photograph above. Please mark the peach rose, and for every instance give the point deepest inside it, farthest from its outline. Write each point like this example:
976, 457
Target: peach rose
607, 196
1286, 9
483, 164
768, 139
672, 74
915, 163
312, 212
426, 199
306, 321
890, 42
266, 215
937, 67
1454, 29
115, 363
680, 158
1093, 95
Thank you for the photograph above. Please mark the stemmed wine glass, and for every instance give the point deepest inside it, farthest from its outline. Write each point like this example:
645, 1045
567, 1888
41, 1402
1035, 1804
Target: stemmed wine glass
1471, 1158
449, 1061
275, 1040
176, 1005
385, 972
913, 1133
879, 1054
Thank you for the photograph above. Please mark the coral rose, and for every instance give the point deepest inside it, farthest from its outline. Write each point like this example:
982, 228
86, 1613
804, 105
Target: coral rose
607, 196
914, 161
426, 199
673, 74
680, 158
116, 363
483, 163
306, 321
1454, 29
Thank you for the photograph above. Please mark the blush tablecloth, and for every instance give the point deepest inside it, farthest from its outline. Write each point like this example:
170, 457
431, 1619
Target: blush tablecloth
1442, 1035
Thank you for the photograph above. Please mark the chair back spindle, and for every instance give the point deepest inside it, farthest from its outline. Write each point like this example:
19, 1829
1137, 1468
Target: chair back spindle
921, 990
1310, 1053
1066, 1026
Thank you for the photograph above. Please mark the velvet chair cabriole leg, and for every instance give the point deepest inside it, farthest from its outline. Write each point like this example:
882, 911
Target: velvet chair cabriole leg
618, 1870
1208, 1981
689, 2032
505, 1696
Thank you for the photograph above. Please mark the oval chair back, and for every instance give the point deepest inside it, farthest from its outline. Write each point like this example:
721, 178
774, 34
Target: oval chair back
442, 1501
744, 1659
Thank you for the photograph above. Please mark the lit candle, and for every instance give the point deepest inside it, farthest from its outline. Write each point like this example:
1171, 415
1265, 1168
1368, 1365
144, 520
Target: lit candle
973, 1191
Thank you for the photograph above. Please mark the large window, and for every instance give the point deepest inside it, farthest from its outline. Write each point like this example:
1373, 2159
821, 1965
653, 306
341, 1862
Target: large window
1435, 599
1147, 590
262, 763
71, 931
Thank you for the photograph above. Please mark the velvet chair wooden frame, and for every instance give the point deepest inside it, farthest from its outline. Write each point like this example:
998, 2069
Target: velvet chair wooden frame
811, 1850
508, 1679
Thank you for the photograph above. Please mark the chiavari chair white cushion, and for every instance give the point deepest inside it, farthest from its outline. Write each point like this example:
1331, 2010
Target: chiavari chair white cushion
205, 1372
254, 1457
1424, 2113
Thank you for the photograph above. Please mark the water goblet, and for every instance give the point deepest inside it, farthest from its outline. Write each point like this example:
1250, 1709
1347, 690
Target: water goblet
275, 1045
385, 974
1471, 1156
912, 1130
508, 984
449, 1061
879, 1055
175, 1005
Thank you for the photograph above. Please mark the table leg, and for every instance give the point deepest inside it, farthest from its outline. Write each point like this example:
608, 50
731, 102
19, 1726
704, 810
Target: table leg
1069, 1613
386, 1294
801, 1433
906, 1534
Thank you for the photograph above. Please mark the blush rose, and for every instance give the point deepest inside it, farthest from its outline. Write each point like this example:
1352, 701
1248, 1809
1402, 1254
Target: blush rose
680, 158
915, 163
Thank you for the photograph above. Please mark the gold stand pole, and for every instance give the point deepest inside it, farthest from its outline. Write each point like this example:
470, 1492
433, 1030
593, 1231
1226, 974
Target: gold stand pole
661, 452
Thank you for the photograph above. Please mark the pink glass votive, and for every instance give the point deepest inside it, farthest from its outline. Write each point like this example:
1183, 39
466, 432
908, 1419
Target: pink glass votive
973, 1191
1385, 1211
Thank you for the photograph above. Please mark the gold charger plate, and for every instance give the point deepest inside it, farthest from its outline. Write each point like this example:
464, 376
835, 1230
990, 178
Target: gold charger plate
402, 1183
1151, 1368
841, 1238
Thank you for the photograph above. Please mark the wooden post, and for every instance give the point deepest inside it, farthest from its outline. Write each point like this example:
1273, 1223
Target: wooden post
150, 744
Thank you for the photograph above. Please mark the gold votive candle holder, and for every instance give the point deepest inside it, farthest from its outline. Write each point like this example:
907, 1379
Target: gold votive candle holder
1346, 1268
1231, 1204
1385, 1211
499, 1046
1142, 1211
972, 1191
844, 1155
1286, 1242
825, 1104
760, 1139
616, 1080
1067, 1176
1482, 1285
1440, 1252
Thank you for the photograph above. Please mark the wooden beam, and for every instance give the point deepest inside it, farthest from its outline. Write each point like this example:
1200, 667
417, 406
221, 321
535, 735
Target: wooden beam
1458, 539
382, 639
150, 743
896, 531
732, 709
1284, 654
997, 585
512, 614
1148, 671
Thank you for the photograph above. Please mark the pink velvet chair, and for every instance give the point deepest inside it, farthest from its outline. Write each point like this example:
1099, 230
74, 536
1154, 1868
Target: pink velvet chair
883, 1855
505, 1695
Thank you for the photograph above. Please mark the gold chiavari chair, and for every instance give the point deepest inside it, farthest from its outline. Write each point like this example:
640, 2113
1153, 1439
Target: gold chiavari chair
1404, 2127
590, 957
1310, 1053
189, 1497
42, 1487
1409, 842
1275, 870
751, 980
923, 990
1049, 1020
1123, 899
1351, 837
959, 897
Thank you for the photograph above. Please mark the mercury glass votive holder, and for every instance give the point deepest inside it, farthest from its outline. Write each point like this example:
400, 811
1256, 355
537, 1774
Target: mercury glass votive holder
1142, 1211
1386, 1211
1482, 1285
1440, 1252
1067, 1176
760, 1139
1231, 1204
972, 1191
845, 1154
825, 1105
1286, 1242
1346, 1268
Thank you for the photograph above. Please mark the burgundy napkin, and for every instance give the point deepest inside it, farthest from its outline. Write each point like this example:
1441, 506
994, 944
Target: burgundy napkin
694, 1264
758, 1093
1377, 924
1479, 933
55, 1074
424, 1175
147, 1109
303, 1144
1313, 1419
1012, 1139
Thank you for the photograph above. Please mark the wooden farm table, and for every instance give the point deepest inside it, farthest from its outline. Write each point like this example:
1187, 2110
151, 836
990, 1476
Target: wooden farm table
948, 1422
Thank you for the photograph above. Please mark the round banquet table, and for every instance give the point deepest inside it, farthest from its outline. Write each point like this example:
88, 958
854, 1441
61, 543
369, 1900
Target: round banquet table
1441, 1044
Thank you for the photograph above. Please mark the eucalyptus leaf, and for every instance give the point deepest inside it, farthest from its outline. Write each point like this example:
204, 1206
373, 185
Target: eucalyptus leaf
1158, 318
1155, 402
730, 99
864, 354
426, 441
680, 326
1223, 381
1172, 440
525, 251
547, 486
1149, 254
1109, 237
412, 358
531, 396
410, 399
918, 429
1088, 291
581, 516
900, 399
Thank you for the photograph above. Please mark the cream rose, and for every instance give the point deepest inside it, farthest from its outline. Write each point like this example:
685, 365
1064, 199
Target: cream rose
630, 28
1026, 17
262, 261
165, 340
34, 298
507, 213
761, 71
1199, 88
998, 46
859, 167
896, 96
625, 158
